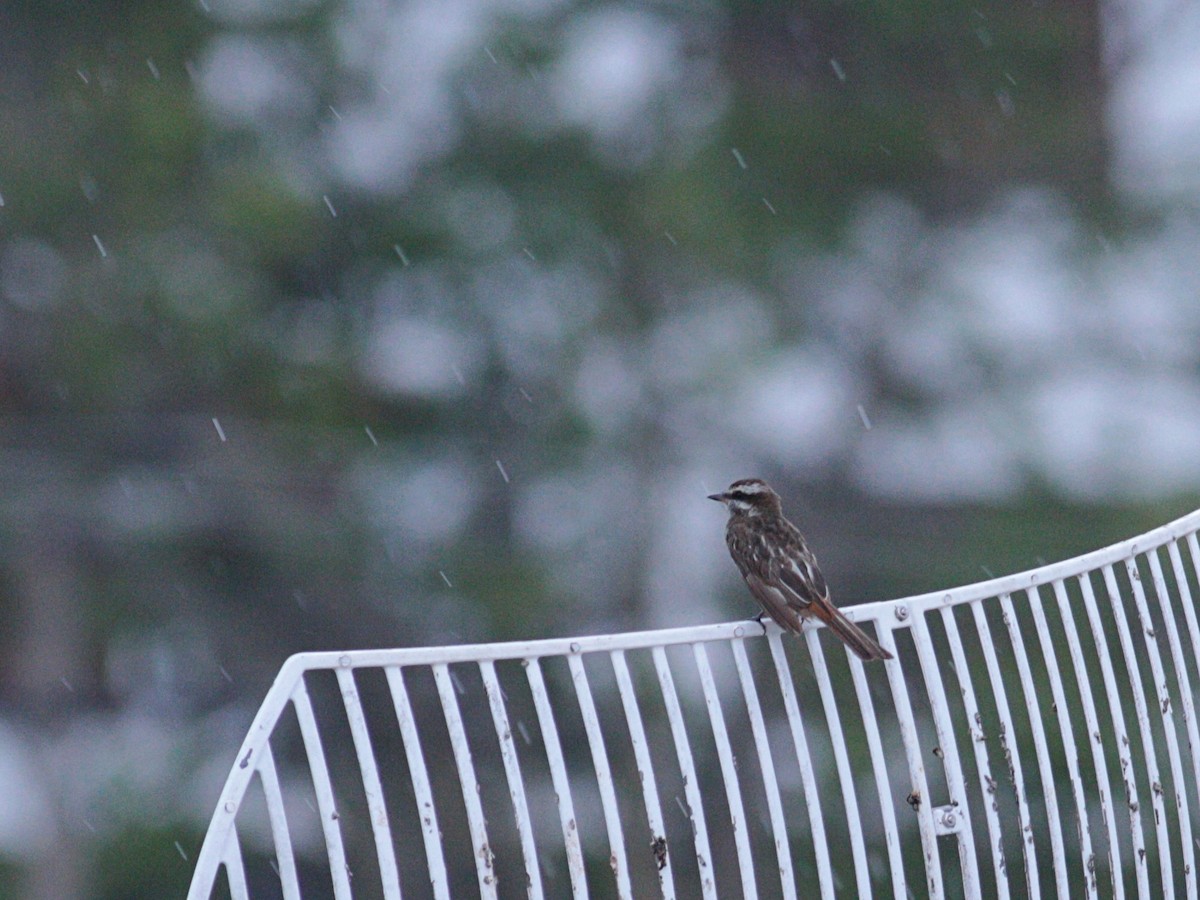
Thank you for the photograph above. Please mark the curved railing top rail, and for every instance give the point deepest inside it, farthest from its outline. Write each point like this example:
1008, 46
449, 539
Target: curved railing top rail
1082, 660
633, 640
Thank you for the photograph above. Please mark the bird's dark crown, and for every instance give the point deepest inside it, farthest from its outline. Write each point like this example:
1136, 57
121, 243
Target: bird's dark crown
749, 496
749, 488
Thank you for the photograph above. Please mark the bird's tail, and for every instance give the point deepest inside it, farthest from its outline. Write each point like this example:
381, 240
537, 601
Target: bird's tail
863, 645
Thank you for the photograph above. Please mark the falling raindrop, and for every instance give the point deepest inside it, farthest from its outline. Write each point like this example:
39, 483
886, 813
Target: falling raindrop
225, 674
67, 684
82, 76
524, 733
371, 435
220, 430
458, 685
337, 115
767, 203
503, 473
671, 238
529, 253
153, 68
1, 200
329, 204
491, 55
837, 69
445, 578
737, 154
182, 852
862, 414
525, 394
100, 246
400, 253
458, 374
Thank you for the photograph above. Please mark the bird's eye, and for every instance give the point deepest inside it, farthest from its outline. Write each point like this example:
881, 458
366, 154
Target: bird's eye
741, 495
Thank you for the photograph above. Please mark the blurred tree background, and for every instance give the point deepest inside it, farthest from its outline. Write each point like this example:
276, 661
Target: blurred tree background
378, 323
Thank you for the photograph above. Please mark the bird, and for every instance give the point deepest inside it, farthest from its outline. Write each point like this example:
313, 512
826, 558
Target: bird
778, 567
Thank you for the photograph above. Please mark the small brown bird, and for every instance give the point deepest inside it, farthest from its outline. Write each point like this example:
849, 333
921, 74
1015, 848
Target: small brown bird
779, 569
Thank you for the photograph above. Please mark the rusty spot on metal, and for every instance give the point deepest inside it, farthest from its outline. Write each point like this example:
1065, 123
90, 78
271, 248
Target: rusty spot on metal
658, 846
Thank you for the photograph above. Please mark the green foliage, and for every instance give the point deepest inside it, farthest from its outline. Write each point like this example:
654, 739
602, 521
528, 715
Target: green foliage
193, 429
145, 863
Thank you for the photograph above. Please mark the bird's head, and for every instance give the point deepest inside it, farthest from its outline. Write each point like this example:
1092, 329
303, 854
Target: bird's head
749, 497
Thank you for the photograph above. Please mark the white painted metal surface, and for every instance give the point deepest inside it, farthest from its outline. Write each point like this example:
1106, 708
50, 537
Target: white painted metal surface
1035, 736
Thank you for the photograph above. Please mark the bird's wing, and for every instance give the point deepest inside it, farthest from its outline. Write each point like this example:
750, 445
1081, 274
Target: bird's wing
758, 568
801, 579
775, 601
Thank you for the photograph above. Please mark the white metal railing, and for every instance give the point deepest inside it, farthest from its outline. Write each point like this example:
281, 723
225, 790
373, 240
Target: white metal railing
1035, 735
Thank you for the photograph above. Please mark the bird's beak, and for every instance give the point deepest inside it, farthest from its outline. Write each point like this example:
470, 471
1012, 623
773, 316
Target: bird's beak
720, 498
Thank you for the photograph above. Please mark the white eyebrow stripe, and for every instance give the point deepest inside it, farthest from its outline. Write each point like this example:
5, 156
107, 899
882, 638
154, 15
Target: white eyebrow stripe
750, 487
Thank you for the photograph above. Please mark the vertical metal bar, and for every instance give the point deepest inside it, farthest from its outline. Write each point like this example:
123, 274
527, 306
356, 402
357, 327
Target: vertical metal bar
987, 784
1120, 738
1189, 610
1184, 683
419, 776
733, 790
323, 787
618, 861
388, 877
1063, 715
208, 861
1144, 731
808, 778
837, 739
465, 765
285, 854
919, 798
758, 728
1189, 615
951, 757
659, 847
512, 773
558, 776
1167, 710
1095, 745
1012, 752
891, 833
1041, 749
1181, 671
235, 869
687, 768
